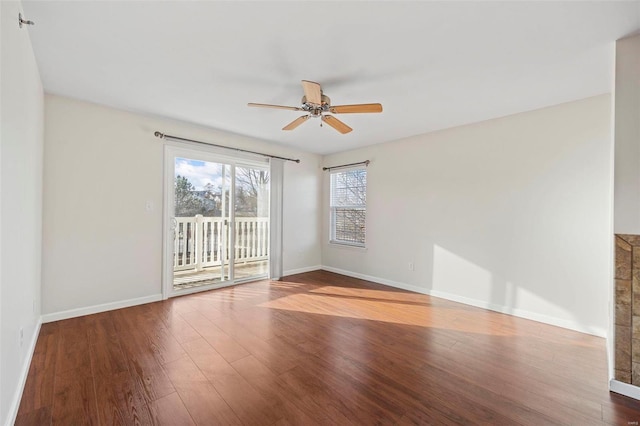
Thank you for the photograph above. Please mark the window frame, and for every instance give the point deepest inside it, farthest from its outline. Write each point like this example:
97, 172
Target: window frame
333, 209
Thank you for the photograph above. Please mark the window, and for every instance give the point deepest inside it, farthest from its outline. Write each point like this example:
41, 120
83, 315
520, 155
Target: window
348, 203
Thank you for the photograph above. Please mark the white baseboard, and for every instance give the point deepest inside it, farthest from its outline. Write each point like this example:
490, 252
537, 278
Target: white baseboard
15, 403
559, 322
371, 278
72, 313
301, 270
624, 389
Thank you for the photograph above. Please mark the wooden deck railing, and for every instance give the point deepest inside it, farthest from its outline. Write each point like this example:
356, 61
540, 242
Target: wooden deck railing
198, 241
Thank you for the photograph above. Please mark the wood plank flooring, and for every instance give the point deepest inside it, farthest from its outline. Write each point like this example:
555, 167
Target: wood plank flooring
316, 349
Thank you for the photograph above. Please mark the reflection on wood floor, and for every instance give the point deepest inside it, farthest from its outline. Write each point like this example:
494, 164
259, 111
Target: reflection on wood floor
316, 348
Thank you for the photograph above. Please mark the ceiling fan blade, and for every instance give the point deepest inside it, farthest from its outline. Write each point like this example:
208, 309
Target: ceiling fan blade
312, 91
251, 104
357, 108
336, 124
295, 123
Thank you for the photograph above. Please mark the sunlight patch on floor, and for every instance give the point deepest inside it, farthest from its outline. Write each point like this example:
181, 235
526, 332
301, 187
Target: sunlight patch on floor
398, 296
399, 312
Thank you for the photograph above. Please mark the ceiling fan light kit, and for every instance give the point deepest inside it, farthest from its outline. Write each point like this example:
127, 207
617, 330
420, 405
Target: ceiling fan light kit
316, 104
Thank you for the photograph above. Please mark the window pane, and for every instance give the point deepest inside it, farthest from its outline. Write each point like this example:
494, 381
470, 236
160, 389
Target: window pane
348, 200
349, 188
349, 225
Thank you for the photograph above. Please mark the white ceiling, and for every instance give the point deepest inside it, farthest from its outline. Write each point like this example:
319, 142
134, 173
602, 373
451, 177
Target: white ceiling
432, 65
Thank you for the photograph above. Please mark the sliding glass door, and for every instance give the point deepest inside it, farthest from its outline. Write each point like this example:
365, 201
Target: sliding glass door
251, 233
217, 218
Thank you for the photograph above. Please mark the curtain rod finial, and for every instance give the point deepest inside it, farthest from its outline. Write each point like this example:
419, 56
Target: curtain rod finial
159, 135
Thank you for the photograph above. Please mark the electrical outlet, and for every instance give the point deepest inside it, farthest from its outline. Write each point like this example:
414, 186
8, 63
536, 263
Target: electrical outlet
412, 266
21, 336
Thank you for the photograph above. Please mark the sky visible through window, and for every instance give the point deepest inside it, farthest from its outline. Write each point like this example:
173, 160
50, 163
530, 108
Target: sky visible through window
199, 173
199, 189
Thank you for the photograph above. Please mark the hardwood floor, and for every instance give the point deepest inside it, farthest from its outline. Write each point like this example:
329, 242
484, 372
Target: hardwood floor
315, 349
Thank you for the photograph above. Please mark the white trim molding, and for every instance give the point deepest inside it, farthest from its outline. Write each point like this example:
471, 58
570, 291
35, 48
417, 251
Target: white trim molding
72, 313
624, 389
301, 270
559, 322
17, 397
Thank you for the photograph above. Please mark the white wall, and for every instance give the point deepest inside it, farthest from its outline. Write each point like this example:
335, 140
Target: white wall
21, 141
512, 214
627, 136
101, 167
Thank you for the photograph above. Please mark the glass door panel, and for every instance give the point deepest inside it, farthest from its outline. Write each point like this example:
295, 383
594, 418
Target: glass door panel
200, 223
251, 225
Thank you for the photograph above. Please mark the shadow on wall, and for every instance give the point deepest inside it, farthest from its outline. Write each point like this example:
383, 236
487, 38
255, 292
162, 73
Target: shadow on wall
451, 268
454, 275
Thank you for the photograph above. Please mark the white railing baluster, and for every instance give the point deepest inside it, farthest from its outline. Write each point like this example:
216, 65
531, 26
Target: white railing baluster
250, 240
254, 239
261, 239
190, 241
246, 243
237, 248
219, 242
211, 237
193, 237
264, 238
197, 242
265, 241
205, 241
258, 239
175, 246
184, 244
201, 244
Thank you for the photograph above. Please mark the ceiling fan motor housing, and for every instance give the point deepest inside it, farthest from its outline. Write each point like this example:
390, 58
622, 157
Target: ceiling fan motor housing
316, 110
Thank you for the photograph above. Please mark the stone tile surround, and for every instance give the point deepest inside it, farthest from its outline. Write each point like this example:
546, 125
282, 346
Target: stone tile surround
627, 309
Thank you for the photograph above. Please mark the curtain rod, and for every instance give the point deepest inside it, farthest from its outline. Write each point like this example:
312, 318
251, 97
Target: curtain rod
163, 136
366, 163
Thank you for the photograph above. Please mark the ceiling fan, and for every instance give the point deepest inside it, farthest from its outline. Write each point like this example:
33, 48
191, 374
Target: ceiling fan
316, 104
